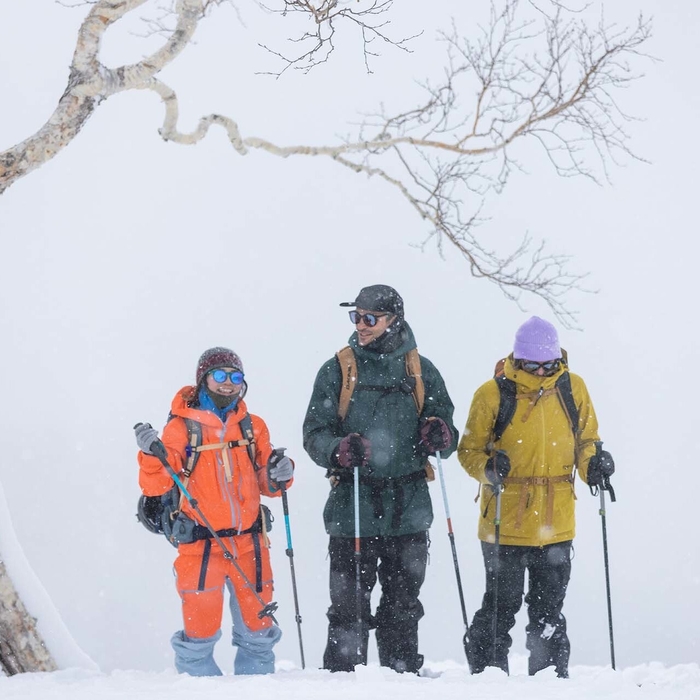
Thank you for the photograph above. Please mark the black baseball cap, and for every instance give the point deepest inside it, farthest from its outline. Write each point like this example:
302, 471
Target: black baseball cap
378, 297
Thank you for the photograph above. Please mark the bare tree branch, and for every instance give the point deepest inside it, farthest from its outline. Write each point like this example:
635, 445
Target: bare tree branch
548, 78
318, 43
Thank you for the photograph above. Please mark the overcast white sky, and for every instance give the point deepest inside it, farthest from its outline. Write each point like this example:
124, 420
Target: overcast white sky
125, 257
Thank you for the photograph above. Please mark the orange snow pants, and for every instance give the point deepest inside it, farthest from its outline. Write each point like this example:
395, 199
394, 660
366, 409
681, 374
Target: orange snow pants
201, 572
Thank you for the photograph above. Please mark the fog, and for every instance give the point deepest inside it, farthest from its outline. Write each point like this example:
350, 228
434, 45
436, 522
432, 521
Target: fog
125, 257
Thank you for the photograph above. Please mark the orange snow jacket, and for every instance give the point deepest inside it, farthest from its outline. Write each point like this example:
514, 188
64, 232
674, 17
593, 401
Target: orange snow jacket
225, 483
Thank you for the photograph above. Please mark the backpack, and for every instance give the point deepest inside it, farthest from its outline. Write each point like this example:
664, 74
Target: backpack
508, 402
413, 382
162, 515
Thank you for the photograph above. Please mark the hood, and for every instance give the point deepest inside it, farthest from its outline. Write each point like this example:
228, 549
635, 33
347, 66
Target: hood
527, 382
181, 407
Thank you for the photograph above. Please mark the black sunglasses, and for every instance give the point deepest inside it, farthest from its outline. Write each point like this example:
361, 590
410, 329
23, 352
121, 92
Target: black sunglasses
368, 319
220, 375
549, 367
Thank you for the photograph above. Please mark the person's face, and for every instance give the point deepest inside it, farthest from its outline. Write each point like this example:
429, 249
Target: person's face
226, 387
366, 333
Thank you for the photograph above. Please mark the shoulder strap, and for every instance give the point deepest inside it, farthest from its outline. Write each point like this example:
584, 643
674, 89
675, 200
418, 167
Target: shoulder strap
506, 406
413, 370
508, 403
247, 430
348, 378
348, 373
566, 396
194, 435
500, 368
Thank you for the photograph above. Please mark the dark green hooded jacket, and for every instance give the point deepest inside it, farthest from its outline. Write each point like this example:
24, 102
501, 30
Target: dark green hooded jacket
391, 502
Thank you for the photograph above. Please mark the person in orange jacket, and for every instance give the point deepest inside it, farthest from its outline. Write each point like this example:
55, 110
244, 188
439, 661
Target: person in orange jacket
233, 469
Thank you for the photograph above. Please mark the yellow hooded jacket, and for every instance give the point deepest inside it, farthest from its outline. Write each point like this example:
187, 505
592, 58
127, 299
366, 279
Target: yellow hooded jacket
537, 502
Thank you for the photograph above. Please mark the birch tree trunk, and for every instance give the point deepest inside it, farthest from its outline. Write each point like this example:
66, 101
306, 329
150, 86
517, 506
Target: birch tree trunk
21, 647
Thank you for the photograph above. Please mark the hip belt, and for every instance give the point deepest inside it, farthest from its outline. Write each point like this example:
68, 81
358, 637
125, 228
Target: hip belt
378, 484
525, 482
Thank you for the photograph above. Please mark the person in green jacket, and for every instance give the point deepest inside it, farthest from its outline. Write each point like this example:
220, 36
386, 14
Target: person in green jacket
398, 413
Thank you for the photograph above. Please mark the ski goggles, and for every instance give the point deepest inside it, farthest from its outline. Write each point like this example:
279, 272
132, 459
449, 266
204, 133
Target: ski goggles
220, 375
368, 319
549, 367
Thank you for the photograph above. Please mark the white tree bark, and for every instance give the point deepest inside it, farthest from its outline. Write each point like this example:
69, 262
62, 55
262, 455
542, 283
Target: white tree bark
90, 83
21, 646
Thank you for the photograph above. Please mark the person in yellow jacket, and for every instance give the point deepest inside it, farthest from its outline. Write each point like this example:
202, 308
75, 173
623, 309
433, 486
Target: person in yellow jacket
529, 465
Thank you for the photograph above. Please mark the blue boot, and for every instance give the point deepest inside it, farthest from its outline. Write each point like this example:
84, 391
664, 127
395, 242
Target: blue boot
254, 653
195, 656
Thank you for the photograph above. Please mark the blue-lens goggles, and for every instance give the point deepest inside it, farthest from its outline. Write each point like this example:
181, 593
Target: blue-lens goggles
220, 375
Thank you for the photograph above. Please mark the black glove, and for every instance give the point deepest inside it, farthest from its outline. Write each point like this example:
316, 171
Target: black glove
435, 435
353, 451
497, 467
600, 468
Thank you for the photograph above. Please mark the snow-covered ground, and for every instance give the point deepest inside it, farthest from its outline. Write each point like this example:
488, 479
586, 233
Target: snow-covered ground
450, 681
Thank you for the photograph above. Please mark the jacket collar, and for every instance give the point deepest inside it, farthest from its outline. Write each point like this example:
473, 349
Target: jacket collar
181, 406
408, 342
530, 382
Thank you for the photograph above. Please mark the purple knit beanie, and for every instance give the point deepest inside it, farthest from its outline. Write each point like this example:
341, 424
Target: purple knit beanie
536, 340
214, 358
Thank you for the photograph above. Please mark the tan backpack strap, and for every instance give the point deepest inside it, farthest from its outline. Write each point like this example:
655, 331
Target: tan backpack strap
266, 539
348, 373
534, 397
413, 370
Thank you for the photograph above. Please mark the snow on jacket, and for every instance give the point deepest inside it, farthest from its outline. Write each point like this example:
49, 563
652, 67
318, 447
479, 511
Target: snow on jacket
389, 420
537, 503
227, 490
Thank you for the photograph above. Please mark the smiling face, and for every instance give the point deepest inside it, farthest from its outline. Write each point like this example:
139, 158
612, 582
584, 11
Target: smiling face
225, 388
366, 334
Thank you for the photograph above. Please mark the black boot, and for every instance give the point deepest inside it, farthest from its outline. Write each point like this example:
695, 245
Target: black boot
546, 652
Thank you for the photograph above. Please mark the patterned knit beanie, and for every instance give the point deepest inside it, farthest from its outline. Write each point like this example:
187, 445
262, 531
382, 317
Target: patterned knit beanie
214, 358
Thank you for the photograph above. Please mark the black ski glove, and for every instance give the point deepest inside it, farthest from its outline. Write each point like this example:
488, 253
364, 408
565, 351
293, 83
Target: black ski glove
600, 468
353, 451
435, 435
497, 467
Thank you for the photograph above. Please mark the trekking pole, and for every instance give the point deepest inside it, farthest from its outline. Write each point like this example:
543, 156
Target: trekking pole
607, 567
290, 553
605, 486
497, 524
451, 536
158, 450
358, 579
